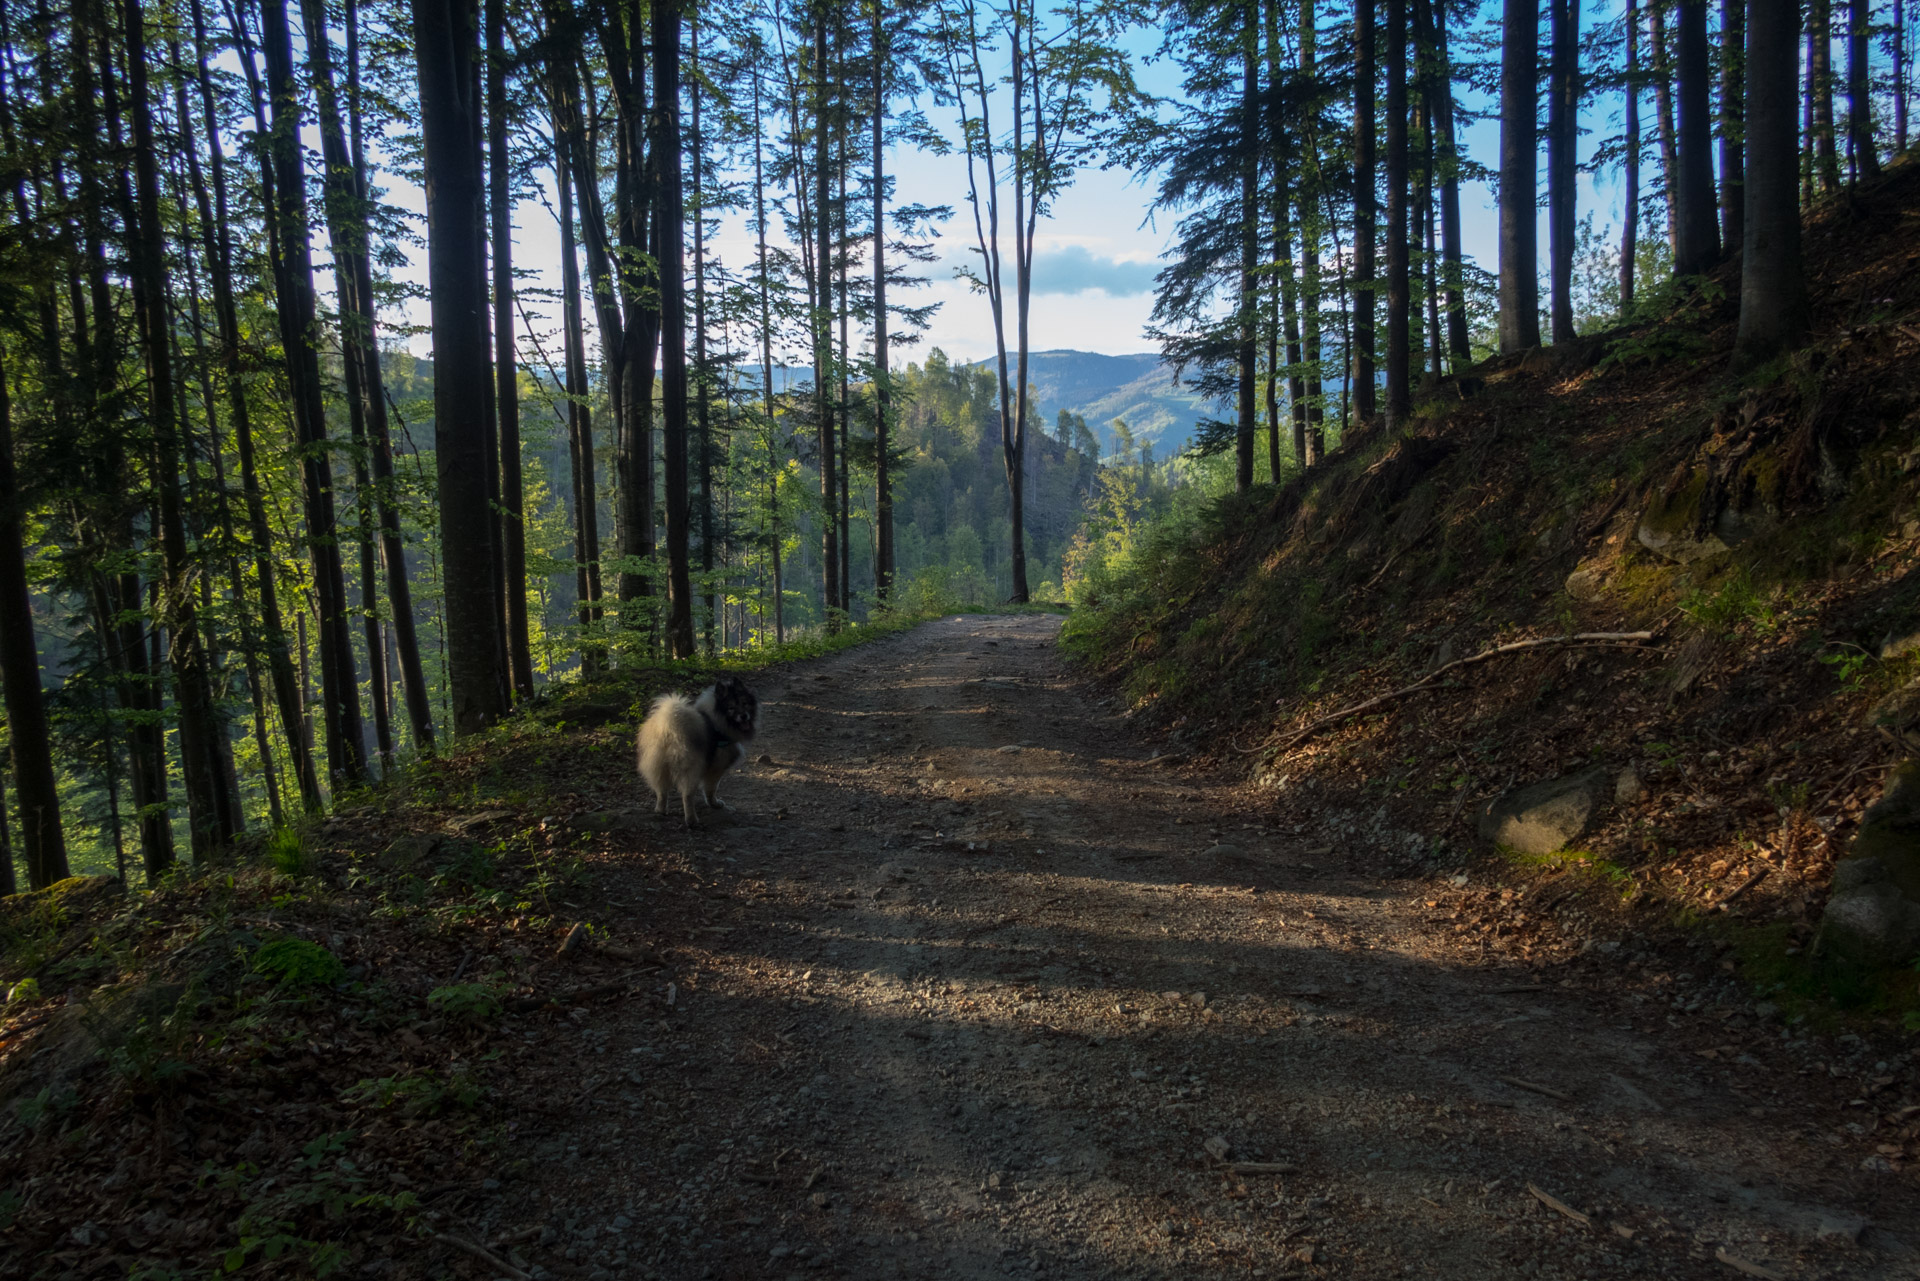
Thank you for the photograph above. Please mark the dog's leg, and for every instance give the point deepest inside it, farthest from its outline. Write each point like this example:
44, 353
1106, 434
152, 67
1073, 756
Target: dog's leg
686, 808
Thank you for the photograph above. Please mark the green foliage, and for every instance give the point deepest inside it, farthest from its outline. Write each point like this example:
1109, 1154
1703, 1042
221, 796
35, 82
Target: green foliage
27, 989
282, 1216
1851, 665
287, 853
1736, 601
297, 963
1594, 866
467, 1002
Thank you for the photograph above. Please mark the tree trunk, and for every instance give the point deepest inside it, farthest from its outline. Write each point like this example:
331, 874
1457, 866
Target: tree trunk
882, 379
1663, 118
586, 533
1733, 56
299, 327
393, 552
220, 260
1630, 165
506, 399
1399, 388
1900, 77
1820, 86
210, 807
823, 329
41, 836
1866, 159
1459, 341
446, 48
1773, 290
702, 375
1563, 135
1519, 238
766, 373
1026, 213
671, 225
1698, 246
1249, 344
1364, 232
347, 234
1309, 194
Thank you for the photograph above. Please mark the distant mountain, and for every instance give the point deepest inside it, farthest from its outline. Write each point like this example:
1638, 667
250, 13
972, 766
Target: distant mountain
1137, 388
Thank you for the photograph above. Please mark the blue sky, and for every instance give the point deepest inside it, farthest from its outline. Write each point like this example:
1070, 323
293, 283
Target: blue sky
1095, 257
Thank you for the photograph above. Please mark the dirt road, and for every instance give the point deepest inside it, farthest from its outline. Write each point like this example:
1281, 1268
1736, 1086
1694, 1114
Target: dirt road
967, 986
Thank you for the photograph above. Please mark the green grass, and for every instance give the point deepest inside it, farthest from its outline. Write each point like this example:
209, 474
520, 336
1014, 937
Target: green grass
1593, 866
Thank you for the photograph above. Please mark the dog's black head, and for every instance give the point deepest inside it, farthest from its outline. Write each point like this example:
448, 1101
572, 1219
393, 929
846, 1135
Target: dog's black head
735, 706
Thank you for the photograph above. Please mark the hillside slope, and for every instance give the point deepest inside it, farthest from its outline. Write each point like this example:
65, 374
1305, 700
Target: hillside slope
1765, 531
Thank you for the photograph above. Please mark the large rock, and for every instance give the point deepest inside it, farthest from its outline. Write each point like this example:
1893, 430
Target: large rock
1873, 915
1543, 818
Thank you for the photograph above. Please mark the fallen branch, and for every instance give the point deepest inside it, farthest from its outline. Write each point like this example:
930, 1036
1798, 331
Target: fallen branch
1558, 1206
1576, 640
483, 1254
1537, 1088
1759, 875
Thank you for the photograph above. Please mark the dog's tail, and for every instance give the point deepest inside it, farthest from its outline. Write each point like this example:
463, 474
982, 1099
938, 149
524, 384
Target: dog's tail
671, 745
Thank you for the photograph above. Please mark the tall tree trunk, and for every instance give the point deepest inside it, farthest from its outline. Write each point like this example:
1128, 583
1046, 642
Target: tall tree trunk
586, 534
506, 398
1698, 247
347, 234
703, 380
210, 806
1630, 165
1310, 193
1658, 55
1866, 158
1249, 319
882, 379
299, 321
1459, 342
220, 260
1399, 387
1773, 290
823, 326
1733, 57
1026, 213
446, 49
1364, 233
1899, 42
41, 836
1563, 135
393, 552
1519, 237
673, 321
1825, 152
766, 373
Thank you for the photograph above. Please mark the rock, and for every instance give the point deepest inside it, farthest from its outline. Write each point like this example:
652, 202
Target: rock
1899, 645
1587, 583
1218, 1148
1543, 818
1874, 924
467, 824
1222, 851
575, 941
1841, 1227
1898, 715
1441, 655
1890, 830
763, 759
1873, 916
1626, 787
1009, 750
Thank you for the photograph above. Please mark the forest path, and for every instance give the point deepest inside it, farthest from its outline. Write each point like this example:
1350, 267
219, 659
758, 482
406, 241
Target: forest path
967, 985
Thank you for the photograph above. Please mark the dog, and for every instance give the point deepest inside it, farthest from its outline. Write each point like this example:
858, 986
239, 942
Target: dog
686, 745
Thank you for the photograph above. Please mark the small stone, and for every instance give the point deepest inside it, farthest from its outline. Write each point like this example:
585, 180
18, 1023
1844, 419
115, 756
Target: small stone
1223, 851
1842, 1227
1218, 1148
575, 941
763, 759
1009, 750
1627, 788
